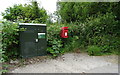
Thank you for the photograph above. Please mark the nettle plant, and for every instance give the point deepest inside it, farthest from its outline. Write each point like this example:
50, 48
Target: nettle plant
10, 39
54, 42
55, 48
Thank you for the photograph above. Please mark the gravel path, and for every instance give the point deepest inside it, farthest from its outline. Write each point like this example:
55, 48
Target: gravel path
73, 63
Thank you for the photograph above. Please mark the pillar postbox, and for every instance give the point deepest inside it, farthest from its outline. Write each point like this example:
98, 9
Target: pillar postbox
64, 32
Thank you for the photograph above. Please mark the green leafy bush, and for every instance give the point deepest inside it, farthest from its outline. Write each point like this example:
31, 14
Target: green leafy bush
55, 43
55, 49
110, 44
10, 40
26, 13
72, 44
94, 50
101, 31
2, 55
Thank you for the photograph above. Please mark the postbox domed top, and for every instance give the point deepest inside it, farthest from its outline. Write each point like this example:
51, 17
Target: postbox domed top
63, 28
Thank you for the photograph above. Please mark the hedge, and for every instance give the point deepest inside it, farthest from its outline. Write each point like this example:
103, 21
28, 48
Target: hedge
102, 31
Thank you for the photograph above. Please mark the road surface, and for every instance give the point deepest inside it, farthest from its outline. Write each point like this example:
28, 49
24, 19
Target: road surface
74, 63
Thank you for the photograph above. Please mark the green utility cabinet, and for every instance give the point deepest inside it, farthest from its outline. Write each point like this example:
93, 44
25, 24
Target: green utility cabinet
33, 40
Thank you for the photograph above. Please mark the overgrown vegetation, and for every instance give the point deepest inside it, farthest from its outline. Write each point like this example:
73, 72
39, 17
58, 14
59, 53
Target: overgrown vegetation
10, 40
26, 13
94, 24
96, 29
94, 50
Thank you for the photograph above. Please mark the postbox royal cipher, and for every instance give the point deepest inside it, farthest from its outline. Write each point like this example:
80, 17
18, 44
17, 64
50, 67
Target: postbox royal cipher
64, 32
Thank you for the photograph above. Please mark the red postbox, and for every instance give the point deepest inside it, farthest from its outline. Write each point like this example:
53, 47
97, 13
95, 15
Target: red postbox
64, 32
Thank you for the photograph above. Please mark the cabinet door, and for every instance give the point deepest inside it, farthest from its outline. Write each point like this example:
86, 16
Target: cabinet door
28, 41
42, 42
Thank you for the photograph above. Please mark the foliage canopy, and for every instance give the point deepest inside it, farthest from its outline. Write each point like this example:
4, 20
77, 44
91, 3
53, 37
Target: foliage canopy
26, 13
